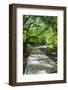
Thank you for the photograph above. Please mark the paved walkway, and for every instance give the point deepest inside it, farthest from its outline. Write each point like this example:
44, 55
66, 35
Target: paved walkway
39, 63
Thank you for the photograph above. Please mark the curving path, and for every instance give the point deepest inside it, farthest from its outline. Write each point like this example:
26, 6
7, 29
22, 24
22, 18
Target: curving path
39, 63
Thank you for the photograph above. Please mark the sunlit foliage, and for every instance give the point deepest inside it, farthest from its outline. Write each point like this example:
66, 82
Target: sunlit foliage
40, 30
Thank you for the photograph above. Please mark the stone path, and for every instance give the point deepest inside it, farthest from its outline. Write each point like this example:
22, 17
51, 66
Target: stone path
39, 63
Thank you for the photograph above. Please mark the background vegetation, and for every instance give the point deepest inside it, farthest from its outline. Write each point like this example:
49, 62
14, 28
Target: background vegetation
40, 30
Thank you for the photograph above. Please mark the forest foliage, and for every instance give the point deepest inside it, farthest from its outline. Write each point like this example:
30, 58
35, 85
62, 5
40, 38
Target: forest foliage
40, 30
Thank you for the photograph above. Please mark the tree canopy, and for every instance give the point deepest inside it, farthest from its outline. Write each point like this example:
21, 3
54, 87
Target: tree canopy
40, 30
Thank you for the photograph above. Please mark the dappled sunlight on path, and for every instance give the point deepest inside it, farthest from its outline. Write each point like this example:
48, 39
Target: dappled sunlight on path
39, 63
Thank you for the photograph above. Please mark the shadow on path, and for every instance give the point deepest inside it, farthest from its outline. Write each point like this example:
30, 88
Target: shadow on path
40, 63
